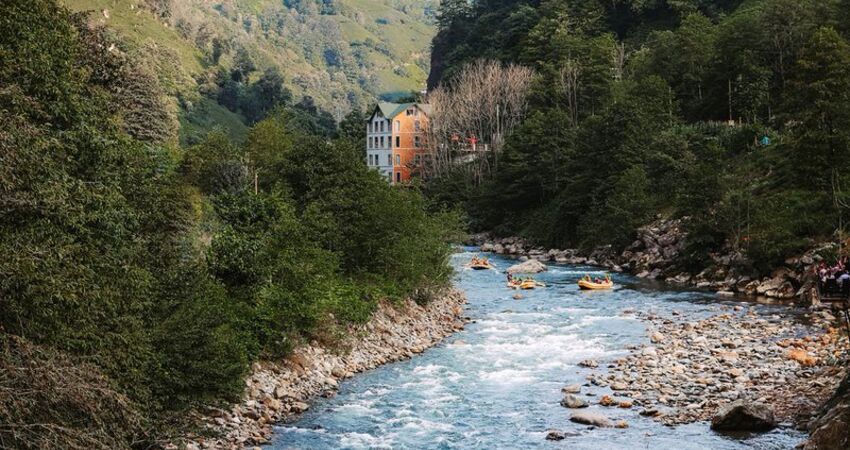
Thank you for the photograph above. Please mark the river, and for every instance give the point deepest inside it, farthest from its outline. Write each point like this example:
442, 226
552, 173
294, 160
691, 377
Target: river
497, 384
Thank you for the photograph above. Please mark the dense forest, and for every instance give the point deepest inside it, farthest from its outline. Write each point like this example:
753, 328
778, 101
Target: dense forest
732, 114
139, 278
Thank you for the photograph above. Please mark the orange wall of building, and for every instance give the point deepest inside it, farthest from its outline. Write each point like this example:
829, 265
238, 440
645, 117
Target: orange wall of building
406, 136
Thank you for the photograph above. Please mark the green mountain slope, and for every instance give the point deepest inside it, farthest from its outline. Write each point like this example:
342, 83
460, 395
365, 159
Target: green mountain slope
342, 53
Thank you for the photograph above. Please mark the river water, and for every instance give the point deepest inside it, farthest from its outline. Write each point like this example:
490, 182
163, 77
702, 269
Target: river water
497, 384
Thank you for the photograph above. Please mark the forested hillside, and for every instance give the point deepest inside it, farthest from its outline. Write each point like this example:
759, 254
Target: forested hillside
139, 279
228, 63
733, 114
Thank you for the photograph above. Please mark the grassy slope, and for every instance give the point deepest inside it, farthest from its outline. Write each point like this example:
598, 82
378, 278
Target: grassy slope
407, 38
401, 66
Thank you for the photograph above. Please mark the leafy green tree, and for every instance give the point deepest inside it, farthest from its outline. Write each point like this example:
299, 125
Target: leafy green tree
683, 57
264, 95
243, 65
817, 93
353, 128
615, 219
95, 224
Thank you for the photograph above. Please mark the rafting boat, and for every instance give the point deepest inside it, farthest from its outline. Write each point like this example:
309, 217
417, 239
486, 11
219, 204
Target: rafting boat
525, 284
591, 286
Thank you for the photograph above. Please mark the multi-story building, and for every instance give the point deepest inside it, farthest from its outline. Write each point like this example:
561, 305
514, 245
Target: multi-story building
395, 140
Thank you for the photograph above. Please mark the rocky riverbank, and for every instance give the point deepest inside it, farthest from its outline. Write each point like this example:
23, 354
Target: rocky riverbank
278, 391
655, 254
782, 366
691, 369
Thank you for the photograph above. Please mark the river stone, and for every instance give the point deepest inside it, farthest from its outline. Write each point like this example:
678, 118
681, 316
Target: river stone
588, 418
743, 415
555, 435
299, 407
571, 401
530, 266
589, 363
572, 389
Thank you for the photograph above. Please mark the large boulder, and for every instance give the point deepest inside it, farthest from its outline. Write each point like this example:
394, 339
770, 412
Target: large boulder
744, 415
588, 418
573, 402
530, 266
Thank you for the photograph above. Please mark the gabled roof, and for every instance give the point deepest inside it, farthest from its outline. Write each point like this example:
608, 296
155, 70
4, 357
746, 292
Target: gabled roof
390, 110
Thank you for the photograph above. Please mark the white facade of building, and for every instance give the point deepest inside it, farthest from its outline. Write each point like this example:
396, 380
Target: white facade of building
379, 145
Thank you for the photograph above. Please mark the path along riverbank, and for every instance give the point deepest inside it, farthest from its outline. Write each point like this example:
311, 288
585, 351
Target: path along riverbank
278, 391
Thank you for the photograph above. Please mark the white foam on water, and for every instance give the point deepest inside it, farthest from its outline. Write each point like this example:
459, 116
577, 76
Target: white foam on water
299, 430
430, 369
361, 408
507, 376
440, 400
377, 391
556, 271
563, 309
588, 320
420, 426
522, 314
490, 326
363, 440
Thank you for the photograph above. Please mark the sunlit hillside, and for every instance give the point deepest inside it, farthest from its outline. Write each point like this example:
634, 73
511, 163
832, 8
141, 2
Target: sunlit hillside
342, 53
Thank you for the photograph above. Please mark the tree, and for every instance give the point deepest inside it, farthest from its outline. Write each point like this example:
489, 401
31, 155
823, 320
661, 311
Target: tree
480, 106
243, 65
220, 47
622, 211
683, 57
452, 12
79, 189
353, 127
265, 95
819, 95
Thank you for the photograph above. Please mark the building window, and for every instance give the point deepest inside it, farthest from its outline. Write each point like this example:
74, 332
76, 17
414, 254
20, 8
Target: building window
398, 177
397, 142
389, 160
417, 126
397, 159
382, 142
410, 112
417, 142
397, 125
417, 159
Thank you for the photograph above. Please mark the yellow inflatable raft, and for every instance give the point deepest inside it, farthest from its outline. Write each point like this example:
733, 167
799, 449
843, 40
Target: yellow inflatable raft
591, 286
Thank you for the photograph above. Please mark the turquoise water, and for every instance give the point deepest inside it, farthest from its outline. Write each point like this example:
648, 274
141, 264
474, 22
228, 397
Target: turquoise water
496, 385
